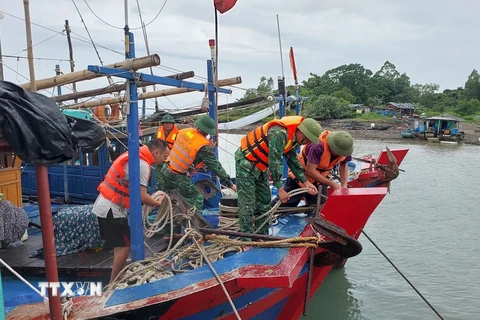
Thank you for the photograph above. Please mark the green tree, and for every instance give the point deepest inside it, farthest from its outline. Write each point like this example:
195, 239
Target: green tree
390, 85
403, 89
317, 85
448, 99
380, 88
388, 71
345, 94
468, 107
427, 95
472, 86
264, 88
374, 101
354, 77
328, 107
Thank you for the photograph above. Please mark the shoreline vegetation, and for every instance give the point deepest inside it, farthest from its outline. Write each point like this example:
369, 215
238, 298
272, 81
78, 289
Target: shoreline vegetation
362, 131
336, 96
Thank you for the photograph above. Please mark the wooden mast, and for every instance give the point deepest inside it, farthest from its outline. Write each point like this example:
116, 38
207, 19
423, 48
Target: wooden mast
70, 54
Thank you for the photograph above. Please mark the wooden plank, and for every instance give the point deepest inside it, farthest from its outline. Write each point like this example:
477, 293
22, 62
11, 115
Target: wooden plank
82, 263
88, 259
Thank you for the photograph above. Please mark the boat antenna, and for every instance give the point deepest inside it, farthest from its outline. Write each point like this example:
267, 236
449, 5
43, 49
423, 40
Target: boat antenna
281, 80
280, 45
127, 38
147, 47
215, 76
282, 91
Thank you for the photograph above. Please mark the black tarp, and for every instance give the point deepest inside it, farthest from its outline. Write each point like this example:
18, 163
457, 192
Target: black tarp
37, 130
90, 134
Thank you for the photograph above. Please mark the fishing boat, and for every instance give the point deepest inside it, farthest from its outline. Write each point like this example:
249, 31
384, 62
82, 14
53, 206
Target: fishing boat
409, 134
262, 283
447, 128
270, 277
380, 128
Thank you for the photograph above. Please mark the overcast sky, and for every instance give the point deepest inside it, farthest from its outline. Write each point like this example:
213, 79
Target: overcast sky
432, 41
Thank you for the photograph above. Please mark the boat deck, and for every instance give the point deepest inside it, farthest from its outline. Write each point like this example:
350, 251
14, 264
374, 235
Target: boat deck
85, 263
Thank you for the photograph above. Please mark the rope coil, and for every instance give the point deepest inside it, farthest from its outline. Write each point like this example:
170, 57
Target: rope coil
298, 242
67, 307
184, 255
228, 217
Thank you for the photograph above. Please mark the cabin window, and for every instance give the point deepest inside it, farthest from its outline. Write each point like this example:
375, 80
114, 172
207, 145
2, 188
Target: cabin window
85, 159
7, 160
115, 149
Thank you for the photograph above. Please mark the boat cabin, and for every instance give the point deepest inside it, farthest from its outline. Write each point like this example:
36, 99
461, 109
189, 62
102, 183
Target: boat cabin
445, 127
10, 185
77, 179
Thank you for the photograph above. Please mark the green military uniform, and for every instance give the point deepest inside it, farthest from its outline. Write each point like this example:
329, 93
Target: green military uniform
159, 176
253, 189
184, 184
167, 118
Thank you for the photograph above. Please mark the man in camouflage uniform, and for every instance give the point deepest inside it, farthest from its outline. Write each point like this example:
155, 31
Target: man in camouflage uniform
170, 180
167, 132
253, 183
317, 160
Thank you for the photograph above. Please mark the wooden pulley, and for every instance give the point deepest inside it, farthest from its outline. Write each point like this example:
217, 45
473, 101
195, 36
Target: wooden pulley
107, 113
115, 112
99, 112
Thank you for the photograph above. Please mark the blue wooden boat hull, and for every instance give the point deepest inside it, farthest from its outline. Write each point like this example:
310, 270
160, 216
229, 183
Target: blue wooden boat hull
264, 283
407, 134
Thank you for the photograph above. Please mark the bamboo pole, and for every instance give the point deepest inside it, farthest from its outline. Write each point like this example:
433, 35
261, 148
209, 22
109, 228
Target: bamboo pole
70, 52
129, 64
31, 66
116, 88
148, 95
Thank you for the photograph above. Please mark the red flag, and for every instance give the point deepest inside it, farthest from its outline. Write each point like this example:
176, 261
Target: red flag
292, 64
224, 5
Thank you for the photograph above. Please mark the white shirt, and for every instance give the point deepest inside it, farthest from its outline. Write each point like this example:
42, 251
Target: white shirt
103, 205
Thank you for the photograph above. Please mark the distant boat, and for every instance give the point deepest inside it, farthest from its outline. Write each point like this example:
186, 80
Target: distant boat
448, 142
408, 134
380, 128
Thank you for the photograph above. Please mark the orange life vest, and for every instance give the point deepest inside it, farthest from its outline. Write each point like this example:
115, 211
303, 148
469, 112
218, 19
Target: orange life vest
325, 164
115, 187
170, 139
255, 144
188, 143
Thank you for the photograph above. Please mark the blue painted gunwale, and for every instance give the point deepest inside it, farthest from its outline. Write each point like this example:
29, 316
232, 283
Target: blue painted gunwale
229, 266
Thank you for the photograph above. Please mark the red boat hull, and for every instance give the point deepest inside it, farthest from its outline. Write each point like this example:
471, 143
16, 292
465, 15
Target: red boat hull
259, 287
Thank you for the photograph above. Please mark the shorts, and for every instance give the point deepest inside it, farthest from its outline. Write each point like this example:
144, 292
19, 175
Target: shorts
114, 231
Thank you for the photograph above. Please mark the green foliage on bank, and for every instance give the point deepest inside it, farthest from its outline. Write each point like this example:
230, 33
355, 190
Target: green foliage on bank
331, 94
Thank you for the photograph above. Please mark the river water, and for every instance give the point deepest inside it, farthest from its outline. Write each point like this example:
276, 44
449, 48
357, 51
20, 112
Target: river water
426, 226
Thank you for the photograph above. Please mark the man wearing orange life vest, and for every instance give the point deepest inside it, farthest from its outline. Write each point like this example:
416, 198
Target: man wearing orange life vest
113, 201
168, 131
262, 149
317, 160
191, 151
